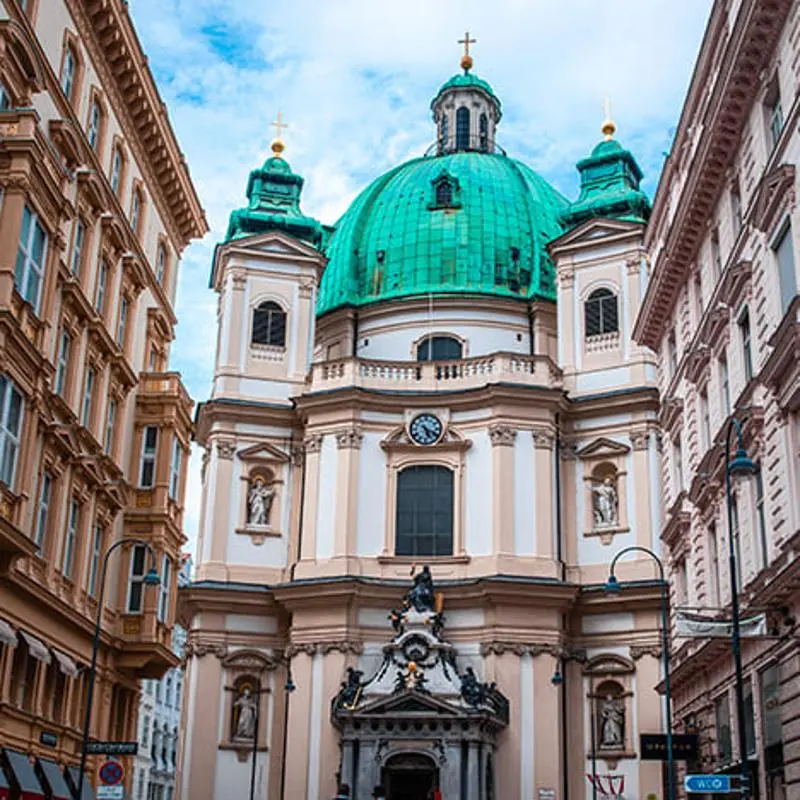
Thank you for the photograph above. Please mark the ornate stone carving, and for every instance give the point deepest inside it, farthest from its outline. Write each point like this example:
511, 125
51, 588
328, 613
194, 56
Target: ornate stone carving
520, 648
640, 440
605, 501
295, 649
637, 651
542, 438
502, 435
260, 496
313, 443
343, 646
238, 281
349, 438
200, 649
226, 448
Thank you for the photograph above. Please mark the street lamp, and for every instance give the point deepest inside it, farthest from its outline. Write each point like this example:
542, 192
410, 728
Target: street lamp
740, 464
288, 688
150, 579
613, 586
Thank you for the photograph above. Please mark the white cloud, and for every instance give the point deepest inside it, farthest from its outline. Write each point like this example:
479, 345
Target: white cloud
354, 79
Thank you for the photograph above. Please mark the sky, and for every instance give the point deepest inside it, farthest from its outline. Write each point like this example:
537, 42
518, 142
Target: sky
354, 80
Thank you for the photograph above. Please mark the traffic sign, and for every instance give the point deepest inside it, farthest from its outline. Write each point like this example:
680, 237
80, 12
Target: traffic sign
112, 748
111, 773
708, 784
110, 792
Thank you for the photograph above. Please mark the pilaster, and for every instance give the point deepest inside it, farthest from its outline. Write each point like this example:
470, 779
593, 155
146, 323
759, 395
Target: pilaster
502, 438
543, 441
348, 442
313, 447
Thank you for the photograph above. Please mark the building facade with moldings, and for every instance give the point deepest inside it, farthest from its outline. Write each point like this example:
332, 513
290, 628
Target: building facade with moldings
446, 378
723, 313
97, 206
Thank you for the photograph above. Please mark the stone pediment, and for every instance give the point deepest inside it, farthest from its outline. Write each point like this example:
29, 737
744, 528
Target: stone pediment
277, 243
592, 230
603, 448
265, 453
410, 702
774, 193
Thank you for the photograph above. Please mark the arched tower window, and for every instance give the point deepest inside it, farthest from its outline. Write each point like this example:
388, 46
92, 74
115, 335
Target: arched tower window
439, 348
424, 511
444, 132
601, 312
444, 194
462, 128
483, 128
269, 325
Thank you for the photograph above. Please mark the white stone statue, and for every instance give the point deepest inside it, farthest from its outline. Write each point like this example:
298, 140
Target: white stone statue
605, 504
612, 723
246, 726
259, 502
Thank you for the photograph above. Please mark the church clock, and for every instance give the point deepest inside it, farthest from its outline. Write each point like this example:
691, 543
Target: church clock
426, 429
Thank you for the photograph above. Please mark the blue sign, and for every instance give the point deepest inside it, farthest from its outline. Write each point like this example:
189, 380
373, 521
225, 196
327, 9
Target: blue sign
708, 784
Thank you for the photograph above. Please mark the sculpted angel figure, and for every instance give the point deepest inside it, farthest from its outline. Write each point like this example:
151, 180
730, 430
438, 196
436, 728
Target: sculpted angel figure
259, 502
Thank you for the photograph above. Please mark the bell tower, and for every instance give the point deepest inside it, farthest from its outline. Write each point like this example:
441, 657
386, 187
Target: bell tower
466, 110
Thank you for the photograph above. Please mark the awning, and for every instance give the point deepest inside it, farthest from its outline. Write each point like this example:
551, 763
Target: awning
36, 647
23, 774
7, 634
53, 778
72, 779
5, 787
66, 664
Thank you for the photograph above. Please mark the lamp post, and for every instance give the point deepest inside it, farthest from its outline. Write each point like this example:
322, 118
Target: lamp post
150, 579
741, 464
614, 586
288, 688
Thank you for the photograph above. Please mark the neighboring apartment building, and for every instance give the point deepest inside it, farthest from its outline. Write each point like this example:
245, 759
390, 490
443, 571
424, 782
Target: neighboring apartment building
723, 313
159, 718
97, 205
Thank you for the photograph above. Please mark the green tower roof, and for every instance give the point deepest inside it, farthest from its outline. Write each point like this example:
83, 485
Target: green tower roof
610, 180
467, 80
464, 223
273, 195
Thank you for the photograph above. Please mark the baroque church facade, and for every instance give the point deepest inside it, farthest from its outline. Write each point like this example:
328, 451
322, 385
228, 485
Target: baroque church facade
429, 434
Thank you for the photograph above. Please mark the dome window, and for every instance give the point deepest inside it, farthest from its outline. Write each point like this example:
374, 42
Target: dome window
483, 130
439, 348
462, 128
269, 325
445, 192
601, 313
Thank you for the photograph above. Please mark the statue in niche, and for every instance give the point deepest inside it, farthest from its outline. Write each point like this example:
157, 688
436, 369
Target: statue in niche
246, 723
420, 596
612, 723
259, 501
605, 504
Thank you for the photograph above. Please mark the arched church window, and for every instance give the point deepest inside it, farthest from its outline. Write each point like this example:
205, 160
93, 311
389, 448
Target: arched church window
483, 130
445, 131
269, 325
601, 312
462, 128
424, 525
439, 348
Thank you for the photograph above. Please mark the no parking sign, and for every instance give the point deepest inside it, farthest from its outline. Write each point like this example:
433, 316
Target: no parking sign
111, 773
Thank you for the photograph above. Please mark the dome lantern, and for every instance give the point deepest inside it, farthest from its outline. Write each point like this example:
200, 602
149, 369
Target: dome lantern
466, 110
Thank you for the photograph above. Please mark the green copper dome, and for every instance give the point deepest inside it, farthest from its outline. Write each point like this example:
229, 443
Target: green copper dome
466, 80
464, 223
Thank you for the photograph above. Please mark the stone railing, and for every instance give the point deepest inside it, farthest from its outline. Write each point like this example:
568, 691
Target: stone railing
602, 342
467, 373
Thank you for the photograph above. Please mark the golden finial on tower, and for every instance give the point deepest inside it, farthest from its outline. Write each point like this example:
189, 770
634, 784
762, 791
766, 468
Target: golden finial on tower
278, 145
608, 127
466, 59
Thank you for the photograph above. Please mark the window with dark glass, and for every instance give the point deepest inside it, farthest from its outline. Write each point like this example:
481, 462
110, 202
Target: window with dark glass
747, 350
5, 98
722, 714
136, 579
601, 312
444, 194
445, 130
462, 128
749, 719
95, 120
147, 462
784, 253
439, 348
269, 325
424, 511
483, 130
68, 73
774, 110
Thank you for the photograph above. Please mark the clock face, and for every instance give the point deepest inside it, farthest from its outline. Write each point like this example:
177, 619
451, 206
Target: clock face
425, 429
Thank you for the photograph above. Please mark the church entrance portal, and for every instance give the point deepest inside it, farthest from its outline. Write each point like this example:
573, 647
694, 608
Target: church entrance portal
410, 777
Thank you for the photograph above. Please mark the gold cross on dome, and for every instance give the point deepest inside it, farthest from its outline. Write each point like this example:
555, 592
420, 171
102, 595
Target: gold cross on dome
466, 41
279, 125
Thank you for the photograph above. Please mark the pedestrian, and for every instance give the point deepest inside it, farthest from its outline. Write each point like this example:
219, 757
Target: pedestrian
379, 793
344, 792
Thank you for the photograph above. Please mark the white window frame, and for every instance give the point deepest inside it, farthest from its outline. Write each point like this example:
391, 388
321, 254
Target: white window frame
94, 563
136, 578
77, 247
73, 520
88, 392
122, 322
9, 438
175, 469
148, 457
100, 292
62, 366
45, 492
746, 335
165, 588
26, 268
111, 422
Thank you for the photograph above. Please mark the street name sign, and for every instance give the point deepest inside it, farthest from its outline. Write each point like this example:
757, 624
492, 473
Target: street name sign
653, 746
110, 792
709, 784
112, 748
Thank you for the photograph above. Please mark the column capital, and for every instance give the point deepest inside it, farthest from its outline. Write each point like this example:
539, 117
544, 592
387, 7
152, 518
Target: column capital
349, 438
502, 435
